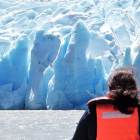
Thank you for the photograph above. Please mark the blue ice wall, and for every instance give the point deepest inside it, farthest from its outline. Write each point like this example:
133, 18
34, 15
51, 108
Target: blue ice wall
60, 54
43, 54
14, 75
75, 81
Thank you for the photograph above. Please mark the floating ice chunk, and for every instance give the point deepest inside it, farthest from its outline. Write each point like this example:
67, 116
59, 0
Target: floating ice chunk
43, 54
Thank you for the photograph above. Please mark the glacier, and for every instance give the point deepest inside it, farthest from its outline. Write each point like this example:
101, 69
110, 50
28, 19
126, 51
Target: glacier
60, 54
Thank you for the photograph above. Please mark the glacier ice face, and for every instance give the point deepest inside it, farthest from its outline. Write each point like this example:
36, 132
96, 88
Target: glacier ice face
136, 65
69, 69
127, 61
43, 54
69, 18
5, 44
31, 14
97, 43
10, 99
14, 65
60, 54
123, 36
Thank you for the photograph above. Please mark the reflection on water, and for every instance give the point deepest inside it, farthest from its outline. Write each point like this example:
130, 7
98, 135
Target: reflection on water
38, 125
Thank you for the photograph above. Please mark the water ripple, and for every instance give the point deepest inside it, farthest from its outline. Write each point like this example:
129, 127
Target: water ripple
38, 125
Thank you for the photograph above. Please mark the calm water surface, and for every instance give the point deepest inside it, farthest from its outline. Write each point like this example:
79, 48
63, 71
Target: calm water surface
38, 125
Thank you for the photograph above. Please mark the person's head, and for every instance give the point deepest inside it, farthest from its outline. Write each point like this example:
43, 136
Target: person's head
123, 90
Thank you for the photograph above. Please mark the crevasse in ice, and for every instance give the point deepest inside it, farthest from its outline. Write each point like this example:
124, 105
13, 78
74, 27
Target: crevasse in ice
60, 54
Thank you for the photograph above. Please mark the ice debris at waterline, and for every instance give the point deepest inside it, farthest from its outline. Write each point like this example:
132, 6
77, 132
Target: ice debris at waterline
60, 54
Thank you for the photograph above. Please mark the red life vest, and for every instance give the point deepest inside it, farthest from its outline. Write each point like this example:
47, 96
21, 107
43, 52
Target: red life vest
112, 124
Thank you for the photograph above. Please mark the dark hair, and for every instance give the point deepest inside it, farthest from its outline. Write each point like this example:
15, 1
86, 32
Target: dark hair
123, 90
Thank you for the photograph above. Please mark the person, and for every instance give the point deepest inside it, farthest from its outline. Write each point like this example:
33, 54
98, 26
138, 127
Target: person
115, 116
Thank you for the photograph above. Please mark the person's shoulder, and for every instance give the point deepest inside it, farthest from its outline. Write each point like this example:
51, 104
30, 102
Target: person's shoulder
90, 114
89, 111
101, 100
98, 99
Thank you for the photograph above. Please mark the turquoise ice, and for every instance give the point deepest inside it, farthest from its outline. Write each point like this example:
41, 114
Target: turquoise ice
60, 54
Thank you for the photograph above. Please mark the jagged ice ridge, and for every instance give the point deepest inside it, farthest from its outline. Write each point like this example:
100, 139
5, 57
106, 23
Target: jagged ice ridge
60, 54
